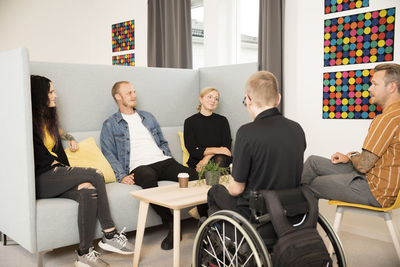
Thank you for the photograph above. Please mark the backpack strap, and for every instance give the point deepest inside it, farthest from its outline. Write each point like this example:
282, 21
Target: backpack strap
313, 212
279, 220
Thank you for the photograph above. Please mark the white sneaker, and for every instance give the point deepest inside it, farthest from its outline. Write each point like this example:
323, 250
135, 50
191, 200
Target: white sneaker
90, 259
119, 244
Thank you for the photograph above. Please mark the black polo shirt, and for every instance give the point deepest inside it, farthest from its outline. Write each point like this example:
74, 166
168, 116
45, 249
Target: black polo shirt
268, 154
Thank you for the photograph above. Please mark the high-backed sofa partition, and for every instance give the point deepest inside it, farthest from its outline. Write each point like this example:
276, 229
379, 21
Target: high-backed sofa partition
17, 181
170, 94
84, 102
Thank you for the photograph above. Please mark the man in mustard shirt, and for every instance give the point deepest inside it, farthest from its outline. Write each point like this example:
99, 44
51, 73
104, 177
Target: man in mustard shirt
371, 177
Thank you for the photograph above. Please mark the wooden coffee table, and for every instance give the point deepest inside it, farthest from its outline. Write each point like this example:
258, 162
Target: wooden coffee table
173, 197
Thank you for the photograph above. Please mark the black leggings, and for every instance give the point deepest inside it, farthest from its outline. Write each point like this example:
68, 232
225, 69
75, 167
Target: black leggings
147, 176
222, 160
63, 182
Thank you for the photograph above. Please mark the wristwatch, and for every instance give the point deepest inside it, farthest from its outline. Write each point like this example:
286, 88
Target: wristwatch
353, 154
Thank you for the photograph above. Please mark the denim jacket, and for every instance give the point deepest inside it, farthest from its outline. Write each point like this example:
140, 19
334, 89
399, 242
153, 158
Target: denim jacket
115, 140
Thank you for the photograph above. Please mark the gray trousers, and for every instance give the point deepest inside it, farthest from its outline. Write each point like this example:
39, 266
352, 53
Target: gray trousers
337, 181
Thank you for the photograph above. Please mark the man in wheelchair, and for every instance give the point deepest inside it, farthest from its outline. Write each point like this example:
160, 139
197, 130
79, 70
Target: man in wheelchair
268, 152
268, 155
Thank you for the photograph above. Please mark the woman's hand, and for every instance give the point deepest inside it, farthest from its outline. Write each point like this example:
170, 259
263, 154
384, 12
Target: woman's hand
225, 151
203, 162
217, 150
73, 145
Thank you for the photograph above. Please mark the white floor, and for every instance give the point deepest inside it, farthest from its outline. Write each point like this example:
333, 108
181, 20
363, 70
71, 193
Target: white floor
360, 251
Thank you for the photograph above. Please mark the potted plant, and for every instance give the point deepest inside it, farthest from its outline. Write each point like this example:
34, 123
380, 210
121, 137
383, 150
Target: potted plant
212, 173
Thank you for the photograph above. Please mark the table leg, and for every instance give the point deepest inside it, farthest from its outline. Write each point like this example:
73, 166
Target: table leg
143, 208
177, 237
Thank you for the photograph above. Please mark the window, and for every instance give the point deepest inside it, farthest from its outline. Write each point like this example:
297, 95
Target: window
230, 34
248, 12
198, 33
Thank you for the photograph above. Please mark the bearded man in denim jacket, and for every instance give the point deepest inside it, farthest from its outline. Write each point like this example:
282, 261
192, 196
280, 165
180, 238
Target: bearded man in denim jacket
133, 143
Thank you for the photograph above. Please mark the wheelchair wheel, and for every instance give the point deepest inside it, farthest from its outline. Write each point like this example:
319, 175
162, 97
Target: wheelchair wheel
228, 239
331, 240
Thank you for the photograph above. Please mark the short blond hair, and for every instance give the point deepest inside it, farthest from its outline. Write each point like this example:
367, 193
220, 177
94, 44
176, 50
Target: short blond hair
205, 91
115, 88
262, 88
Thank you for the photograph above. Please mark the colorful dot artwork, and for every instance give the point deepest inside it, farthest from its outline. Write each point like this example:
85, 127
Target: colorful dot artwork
332, 6
123, 36
359, 38
124, 60
346, 95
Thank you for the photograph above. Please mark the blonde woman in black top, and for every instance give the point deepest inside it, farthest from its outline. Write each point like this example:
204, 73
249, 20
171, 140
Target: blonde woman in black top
207, 135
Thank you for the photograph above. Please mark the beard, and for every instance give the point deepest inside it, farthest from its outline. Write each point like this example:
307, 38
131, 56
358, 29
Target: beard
129, 104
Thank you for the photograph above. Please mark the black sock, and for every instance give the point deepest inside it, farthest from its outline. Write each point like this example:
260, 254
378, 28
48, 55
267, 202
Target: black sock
83, 251
110, 235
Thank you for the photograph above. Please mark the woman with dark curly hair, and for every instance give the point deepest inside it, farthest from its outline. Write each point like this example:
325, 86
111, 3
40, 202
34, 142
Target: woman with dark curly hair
56, 179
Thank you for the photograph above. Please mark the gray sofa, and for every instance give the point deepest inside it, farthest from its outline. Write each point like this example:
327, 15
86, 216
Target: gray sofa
84, 102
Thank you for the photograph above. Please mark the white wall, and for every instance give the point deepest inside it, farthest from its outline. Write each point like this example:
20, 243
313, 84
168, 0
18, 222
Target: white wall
71, 31
303, 70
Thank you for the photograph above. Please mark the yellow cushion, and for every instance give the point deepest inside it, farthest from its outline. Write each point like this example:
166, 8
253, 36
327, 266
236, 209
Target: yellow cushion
185, 155
90, 156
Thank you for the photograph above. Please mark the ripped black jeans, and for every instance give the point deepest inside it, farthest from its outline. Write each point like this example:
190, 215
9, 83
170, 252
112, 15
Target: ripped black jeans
63, 182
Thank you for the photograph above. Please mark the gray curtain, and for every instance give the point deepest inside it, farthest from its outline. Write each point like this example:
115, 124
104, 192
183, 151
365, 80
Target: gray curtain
169, 34
270, 43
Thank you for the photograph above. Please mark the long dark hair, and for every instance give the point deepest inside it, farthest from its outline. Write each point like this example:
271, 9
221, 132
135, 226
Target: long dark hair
42, 114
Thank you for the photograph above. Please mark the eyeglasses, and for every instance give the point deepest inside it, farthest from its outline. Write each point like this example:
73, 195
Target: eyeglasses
244, 100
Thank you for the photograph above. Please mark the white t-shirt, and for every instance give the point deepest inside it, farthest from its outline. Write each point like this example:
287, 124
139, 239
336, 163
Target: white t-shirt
144, 150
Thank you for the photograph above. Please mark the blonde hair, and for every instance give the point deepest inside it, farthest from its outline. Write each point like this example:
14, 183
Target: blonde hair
115, 88
205, 91
262, 88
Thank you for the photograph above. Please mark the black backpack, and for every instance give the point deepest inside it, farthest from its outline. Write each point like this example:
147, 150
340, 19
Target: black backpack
301, 245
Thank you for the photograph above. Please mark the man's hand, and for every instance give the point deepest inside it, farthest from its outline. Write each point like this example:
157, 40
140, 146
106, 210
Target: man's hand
129, 179
73, 145
339, 158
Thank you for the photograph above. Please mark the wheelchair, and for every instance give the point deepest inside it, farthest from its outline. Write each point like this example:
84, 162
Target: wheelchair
226, 238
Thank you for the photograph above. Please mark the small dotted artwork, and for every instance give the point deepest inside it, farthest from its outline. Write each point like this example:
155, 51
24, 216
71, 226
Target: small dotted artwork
346, 95
124, 60
332, 6
359, 38
123, 36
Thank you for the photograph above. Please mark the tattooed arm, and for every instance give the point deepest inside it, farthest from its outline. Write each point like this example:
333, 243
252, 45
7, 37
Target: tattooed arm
72, 144
364, 162
66, 136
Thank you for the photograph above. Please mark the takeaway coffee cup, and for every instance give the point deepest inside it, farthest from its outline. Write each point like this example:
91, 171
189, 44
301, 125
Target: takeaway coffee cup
183, 178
